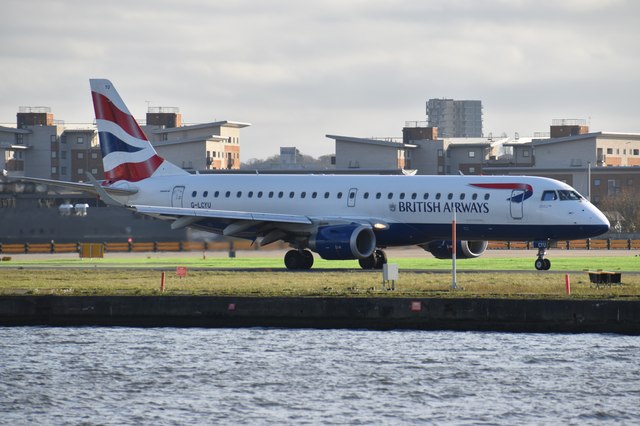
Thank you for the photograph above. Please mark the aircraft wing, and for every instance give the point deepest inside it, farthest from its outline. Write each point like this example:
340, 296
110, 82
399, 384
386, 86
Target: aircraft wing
182, 212
78, 186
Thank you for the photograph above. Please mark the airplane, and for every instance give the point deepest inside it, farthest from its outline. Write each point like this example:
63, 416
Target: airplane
336, 216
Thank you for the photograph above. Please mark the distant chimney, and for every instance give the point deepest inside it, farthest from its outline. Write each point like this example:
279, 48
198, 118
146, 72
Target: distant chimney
166, 117
561, 128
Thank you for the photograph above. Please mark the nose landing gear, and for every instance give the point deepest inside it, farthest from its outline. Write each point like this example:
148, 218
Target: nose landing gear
541, 263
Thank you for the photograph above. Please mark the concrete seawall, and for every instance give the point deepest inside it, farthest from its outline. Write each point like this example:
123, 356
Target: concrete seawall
512, 315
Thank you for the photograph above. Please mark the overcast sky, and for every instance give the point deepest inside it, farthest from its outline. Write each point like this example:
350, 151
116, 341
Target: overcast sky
298, 70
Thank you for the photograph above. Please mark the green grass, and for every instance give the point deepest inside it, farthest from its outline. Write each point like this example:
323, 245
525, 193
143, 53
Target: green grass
140, 275
598, 261
346, 283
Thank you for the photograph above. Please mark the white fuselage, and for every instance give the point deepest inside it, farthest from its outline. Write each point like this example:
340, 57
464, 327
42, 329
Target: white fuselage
415, 208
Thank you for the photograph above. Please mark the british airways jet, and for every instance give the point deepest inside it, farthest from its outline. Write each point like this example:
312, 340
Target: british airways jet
337, 217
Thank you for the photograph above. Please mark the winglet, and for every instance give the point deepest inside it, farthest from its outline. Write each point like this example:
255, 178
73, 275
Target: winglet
106, 198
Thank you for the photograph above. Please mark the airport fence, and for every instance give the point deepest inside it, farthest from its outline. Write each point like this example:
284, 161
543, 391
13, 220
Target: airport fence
232, 246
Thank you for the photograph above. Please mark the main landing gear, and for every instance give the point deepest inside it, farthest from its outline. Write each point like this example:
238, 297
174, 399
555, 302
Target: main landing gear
541, 263
375, 261
299, 260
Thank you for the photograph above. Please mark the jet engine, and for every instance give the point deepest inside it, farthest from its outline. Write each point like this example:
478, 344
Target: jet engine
464, 249
339, 242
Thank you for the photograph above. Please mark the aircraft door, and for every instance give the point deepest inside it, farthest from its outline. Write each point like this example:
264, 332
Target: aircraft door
516, 204
351, 199
176, 196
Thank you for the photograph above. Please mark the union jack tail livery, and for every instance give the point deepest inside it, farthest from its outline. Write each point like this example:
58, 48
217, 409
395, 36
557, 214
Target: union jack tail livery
127, 154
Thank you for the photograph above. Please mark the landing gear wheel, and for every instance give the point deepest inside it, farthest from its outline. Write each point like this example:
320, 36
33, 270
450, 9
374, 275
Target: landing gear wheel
381, 258
375, 261
368, 262
542, 264
296, 260
307, 256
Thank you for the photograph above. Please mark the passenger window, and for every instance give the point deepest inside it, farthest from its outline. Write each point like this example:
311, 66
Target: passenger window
549, 196
270, 194
205, 194
450, 196
239, 194
425, 196
250, 194
339, 195
352, 195
194, 193
402, 195
438, 196
486, 196
378, 195
280, 194
216, 194
292, 194
303, 194
366, 195
227, 194
474, 197
390, 196
462, 196
314, 195
259, 194
326, 195
413, 196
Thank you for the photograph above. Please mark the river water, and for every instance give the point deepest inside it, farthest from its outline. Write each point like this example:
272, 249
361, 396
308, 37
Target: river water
165, 376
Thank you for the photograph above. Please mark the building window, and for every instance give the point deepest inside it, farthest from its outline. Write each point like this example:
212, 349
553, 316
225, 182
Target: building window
54, 170
440, 153
472, 154
596, 182
94, 155
80, 155
80, 171
525, 153
80, 139
472, 170
53, 138
54, 154
63, 171
609, 150
94, 171
63, 155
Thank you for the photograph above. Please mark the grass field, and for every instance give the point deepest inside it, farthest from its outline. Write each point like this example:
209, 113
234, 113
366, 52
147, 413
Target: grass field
599, 260
141, 276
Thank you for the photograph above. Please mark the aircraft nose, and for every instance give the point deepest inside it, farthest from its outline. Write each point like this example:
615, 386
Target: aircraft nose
600, 222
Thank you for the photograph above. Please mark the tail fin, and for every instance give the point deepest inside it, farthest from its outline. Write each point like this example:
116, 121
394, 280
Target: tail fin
127, 154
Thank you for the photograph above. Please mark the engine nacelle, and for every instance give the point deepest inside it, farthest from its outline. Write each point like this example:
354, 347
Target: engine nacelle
340, 242
464, 249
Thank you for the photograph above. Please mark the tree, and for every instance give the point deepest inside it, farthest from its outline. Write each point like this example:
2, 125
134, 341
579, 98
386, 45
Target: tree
623, 211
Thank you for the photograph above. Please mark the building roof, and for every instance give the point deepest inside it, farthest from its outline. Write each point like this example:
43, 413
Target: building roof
225, 123
377, 142
612, 135
15, 130
195, 139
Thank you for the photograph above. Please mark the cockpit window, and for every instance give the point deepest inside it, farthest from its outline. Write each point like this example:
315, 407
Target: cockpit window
569, 195
549, 196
